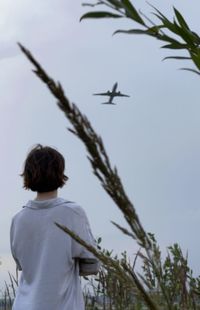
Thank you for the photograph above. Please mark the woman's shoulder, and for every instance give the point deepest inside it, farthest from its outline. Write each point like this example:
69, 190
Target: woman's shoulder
74, 207
17, 215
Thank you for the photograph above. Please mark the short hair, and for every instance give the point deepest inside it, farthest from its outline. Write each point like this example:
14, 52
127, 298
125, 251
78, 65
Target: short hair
44, 169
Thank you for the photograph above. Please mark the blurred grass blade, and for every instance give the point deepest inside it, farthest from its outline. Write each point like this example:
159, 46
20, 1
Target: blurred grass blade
116, 3
165, 20
88, 4
196, 37
174, 46
177, 57
191, 70
179, 36
131, 31
180, 19
124, 230
100, 14
132, 12
185, 34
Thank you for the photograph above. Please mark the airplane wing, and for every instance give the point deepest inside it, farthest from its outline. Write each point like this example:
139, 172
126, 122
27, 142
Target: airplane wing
102, 94
108, 102
120, 95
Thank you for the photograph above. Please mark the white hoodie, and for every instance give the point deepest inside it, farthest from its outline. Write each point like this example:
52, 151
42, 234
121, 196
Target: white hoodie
48, 257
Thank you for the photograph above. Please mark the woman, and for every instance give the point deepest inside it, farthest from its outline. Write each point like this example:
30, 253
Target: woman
48, 258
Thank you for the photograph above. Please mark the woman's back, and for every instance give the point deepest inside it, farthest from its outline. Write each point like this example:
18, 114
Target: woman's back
48, 257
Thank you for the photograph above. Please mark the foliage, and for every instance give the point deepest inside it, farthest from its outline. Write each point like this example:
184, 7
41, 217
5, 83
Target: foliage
175, 34
8, 294
183, 289
108, 291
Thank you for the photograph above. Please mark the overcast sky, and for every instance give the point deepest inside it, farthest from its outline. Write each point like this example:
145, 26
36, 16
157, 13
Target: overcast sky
152, 137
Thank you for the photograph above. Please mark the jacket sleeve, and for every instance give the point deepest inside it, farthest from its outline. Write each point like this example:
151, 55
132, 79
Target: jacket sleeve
88, 263
88, 266
18, 266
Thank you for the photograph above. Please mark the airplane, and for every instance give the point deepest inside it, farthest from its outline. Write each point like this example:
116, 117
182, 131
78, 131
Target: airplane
112, 94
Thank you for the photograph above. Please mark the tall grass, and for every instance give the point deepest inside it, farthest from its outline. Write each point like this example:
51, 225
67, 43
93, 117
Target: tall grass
109, 292
8, 293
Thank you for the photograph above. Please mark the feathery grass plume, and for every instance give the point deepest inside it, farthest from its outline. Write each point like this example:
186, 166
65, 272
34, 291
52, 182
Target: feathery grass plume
179, 36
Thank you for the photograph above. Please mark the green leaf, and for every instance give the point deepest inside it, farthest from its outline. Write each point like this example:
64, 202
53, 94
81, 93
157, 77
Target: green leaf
153, 31
196, 58
116, 3
132, 31
99, 240
131, 12
196, 37
166, 22
191, 70
100, 14
177, 57
166, 38
88, 4
175, 46
185, 34
183, 30
169, 25
180, 19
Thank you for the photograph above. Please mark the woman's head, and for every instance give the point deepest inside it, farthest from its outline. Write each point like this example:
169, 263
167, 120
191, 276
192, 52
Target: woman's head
44, 169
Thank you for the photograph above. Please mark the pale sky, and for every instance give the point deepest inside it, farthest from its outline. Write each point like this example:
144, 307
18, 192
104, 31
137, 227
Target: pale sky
152, 137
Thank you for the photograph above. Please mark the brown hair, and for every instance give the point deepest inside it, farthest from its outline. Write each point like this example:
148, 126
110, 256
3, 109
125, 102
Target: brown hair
44, 169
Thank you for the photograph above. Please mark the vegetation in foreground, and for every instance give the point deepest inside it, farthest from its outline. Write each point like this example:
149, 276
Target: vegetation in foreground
109, 292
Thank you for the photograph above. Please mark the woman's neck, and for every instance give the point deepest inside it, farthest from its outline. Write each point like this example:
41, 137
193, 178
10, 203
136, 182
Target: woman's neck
46, 195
